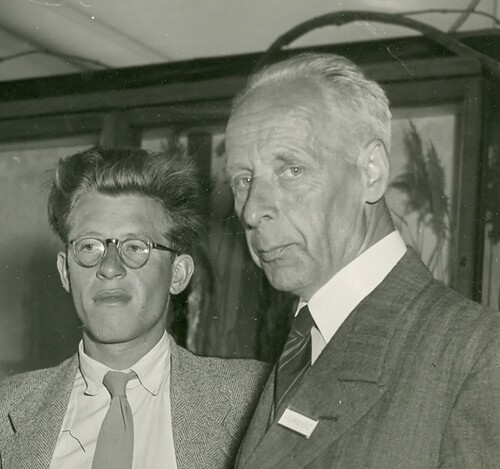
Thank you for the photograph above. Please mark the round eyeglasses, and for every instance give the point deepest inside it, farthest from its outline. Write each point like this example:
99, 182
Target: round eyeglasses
134, 253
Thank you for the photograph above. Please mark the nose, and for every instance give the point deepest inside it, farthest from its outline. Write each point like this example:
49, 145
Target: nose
111, 265
260, 205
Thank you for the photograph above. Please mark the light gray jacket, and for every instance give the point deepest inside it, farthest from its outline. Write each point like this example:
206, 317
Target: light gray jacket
212, 401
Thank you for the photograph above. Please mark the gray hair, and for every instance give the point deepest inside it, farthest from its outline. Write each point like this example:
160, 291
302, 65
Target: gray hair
362, 101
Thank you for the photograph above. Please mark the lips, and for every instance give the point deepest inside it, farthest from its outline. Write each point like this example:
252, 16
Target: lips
112, 297
272, 254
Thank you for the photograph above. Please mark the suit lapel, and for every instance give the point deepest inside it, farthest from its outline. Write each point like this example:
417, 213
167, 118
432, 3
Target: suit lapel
199, 408
259, 422
36, 420
336, 398
349, 377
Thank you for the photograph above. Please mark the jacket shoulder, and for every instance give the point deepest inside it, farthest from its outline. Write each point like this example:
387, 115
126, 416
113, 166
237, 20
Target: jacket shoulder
15, 388
223, 392
450, 331
458, 314
231, 372
239, 382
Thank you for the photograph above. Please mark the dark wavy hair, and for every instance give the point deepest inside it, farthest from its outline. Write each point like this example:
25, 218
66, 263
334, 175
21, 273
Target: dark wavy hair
170, 178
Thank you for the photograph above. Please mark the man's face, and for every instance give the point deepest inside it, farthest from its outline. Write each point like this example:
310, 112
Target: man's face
115, 303
299, 199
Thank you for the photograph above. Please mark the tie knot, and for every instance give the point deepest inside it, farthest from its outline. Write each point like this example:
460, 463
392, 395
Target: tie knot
303, 322
116, 382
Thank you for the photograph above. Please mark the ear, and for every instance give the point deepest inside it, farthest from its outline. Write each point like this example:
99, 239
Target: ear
62, 267
376, 171
182, 270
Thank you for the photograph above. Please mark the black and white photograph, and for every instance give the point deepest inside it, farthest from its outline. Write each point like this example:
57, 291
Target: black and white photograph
249, 234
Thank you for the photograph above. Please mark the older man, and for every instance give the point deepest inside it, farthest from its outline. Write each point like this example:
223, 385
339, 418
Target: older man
384, 366
130, 397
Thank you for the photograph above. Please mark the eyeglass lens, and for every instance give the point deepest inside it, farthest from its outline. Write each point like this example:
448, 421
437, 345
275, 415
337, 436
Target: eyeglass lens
133, 252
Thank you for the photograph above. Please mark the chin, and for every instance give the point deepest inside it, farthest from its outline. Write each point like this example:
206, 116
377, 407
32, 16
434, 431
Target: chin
286, 280
110, 334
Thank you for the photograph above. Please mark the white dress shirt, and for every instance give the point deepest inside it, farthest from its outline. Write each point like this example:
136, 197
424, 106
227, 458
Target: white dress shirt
149, 398
333, 302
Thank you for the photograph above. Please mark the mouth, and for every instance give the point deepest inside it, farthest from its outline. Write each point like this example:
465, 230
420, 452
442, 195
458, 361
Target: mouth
272, 254
111, 297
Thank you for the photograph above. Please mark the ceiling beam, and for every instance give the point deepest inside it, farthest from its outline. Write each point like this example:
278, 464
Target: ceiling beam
69, 31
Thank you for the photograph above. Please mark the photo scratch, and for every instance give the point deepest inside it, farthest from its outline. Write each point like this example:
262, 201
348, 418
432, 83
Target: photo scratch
73, 436
370, 27
400, 61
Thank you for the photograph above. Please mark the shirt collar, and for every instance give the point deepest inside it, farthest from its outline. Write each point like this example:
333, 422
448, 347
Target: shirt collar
333, 302
151, 369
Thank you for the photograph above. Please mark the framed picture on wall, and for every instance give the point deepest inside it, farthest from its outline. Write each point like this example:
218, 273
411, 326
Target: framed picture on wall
423, 183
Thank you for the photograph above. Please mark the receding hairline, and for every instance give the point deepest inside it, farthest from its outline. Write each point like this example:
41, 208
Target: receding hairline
332, 74
323, 68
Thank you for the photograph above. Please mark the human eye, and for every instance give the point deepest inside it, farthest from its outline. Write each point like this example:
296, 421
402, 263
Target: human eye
241, 182
134, 246
291, 172
88, 245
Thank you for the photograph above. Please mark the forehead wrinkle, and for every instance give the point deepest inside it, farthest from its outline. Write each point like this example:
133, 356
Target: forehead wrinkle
270, 125
277, 120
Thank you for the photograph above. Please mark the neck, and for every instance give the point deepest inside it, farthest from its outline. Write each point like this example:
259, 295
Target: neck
123, 355
378, 225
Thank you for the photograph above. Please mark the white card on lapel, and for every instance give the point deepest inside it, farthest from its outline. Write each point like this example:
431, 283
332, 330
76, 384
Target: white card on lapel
299, 423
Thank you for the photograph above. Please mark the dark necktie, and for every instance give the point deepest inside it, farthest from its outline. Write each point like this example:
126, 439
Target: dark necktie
115, 443
295, 358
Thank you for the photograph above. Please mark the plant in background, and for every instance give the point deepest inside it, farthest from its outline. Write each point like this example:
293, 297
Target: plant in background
423, 183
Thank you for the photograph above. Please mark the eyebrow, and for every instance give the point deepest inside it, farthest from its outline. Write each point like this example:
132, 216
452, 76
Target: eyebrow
135, 234
288, 157
292, 156
90, 234
233, 167
230, 170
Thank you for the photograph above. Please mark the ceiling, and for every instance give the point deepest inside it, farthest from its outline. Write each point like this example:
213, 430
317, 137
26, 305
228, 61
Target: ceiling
51, 37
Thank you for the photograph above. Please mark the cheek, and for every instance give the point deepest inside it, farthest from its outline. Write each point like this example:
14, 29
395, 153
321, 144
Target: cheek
308, 212
80, 281
320, 219
239, 202
153, 285
81, 292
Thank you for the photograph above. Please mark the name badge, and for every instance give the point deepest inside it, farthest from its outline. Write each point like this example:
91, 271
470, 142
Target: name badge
299, 423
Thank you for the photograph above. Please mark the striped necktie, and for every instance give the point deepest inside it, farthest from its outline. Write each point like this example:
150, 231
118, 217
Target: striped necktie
115, 443
295, 358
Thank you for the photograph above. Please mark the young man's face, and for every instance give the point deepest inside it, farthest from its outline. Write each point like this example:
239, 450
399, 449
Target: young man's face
118, 304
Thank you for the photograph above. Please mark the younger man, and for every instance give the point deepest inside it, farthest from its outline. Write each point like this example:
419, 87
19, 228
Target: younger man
129, 220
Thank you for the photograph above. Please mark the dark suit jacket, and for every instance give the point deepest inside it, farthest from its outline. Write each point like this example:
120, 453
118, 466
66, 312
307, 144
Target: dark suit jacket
410, 380
211, 399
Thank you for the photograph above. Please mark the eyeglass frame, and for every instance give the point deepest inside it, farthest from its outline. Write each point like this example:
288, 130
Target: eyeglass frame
117, 242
